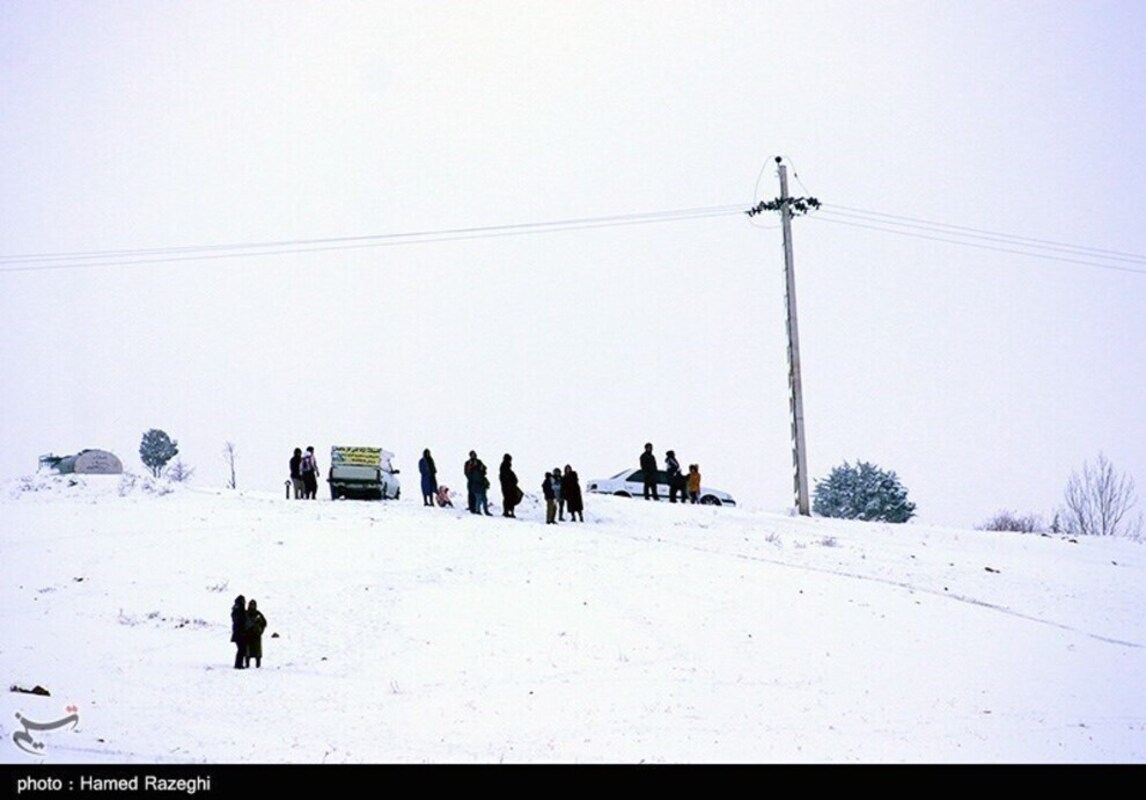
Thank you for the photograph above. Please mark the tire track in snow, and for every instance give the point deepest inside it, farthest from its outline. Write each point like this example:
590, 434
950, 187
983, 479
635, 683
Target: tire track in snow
899, 585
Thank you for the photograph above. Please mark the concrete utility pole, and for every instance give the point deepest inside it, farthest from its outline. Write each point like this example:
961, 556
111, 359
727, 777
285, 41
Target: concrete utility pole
785, 205
799, 451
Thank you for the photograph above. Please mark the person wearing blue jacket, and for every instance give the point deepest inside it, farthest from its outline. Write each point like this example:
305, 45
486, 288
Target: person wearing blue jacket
429, 478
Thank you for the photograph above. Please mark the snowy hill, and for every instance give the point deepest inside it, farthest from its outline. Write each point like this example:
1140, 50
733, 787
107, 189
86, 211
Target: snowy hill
650, 633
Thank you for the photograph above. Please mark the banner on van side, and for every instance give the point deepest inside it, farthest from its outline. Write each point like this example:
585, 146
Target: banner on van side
360, 456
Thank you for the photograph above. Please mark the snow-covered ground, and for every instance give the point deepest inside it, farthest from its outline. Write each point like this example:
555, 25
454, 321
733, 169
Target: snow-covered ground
650, 633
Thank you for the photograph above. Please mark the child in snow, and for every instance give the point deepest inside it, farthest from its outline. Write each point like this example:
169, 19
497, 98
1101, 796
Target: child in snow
444, 497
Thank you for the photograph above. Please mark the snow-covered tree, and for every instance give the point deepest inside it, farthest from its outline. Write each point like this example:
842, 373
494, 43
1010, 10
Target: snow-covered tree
156, 449
862, 492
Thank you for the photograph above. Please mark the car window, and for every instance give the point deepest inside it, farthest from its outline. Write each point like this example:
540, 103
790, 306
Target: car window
639, 477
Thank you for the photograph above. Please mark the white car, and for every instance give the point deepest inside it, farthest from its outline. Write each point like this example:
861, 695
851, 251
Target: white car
631, 483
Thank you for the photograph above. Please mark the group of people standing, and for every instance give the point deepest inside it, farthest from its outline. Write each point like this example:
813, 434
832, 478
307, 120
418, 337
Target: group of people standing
687, 487
247, 626
562, 490
304, 474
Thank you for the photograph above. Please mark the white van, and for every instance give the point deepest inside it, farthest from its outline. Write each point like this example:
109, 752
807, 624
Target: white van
363, 473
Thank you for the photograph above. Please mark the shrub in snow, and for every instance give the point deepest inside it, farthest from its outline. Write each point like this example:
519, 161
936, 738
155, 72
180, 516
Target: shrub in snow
156, 449
30, 483
1010, 521
130, 483
862, 492
157, 488
180, 472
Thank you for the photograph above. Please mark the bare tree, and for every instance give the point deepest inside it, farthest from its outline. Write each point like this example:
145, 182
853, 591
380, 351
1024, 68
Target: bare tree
229, 453
1099, 500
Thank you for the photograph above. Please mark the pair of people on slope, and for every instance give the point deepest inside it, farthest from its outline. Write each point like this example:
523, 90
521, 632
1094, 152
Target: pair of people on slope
686, 487
247, 626
477, 485
304, 474
432, 491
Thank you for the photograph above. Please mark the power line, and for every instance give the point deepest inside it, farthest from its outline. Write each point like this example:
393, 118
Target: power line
879, 221
1015, 251
977, 233
108, 258
1017, 245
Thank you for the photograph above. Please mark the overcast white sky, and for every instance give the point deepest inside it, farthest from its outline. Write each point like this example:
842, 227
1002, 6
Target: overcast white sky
982, 377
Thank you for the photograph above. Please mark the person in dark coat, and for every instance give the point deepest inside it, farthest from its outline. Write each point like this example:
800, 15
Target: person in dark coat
649, 471
571, 492
510, 491
478, 484
429, 478
678, 483
256, 624
309, 471
296, 481
467, 468
239, 631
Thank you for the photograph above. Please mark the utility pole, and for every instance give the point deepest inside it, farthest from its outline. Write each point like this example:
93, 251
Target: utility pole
785, 205
795, 387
